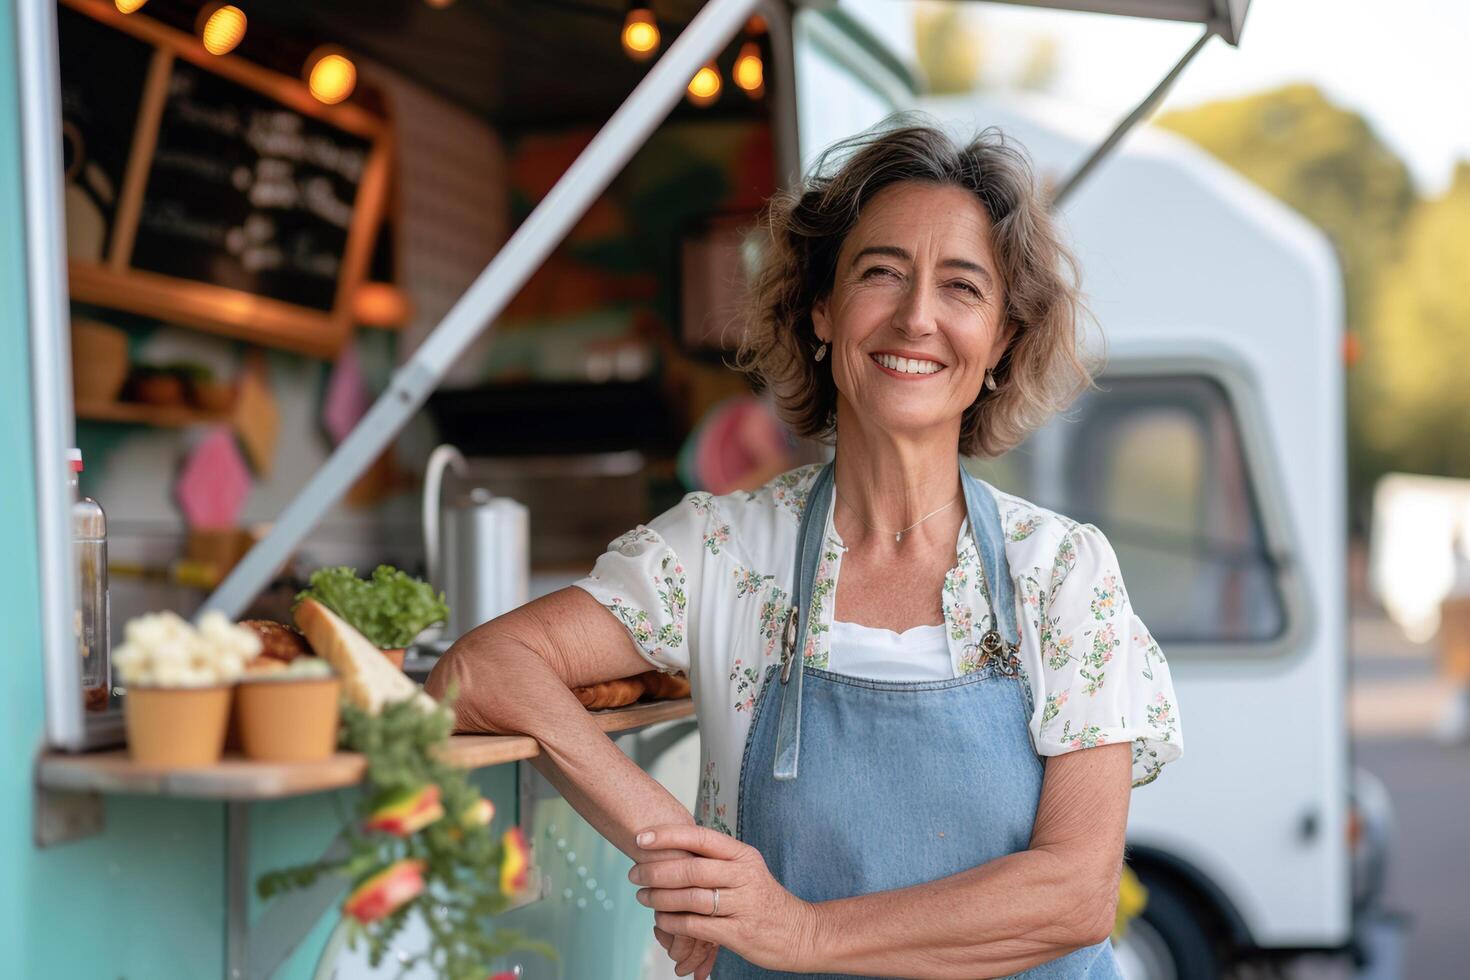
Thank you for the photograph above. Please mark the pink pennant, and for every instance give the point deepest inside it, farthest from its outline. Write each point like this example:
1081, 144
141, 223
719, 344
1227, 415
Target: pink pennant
347, 398
214, 483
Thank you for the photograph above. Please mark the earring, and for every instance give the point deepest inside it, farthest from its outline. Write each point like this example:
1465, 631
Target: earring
989, 379
821, 352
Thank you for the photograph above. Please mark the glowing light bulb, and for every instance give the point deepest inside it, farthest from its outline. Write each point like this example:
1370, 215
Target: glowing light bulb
704, 87
331, 76
749, 72
223, 29
640, 32
128, 6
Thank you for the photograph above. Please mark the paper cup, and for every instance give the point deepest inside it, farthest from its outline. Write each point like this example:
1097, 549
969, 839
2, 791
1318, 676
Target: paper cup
176, 727
288, 720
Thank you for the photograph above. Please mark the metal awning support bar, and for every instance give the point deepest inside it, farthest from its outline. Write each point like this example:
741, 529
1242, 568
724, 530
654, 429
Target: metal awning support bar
1133, 119
50, 355
625, 132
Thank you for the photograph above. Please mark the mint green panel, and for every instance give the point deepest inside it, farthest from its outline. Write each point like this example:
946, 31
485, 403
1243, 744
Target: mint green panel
144, 899
20, 689
289, 833
590, 917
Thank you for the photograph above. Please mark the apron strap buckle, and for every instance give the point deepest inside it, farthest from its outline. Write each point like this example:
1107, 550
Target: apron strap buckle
996, 650
788, 645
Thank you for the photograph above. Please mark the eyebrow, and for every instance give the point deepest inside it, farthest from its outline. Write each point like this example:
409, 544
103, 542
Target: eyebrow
893, 251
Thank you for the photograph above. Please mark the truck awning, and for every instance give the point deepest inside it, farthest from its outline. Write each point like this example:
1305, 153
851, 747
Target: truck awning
1226, 16
710, 28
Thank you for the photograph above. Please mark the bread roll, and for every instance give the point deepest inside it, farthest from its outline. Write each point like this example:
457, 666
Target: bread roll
277, 640
368, 679
665, 686
610, 694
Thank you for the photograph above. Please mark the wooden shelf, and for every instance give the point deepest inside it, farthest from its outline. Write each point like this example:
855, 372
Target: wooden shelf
172, 416
237, 778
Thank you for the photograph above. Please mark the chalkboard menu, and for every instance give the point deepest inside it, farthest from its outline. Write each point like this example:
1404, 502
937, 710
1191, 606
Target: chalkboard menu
246, 194
211, 191
99, 111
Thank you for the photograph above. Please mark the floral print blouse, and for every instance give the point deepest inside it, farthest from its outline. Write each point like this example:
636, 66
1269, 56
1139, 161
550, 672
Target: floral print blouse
704, 589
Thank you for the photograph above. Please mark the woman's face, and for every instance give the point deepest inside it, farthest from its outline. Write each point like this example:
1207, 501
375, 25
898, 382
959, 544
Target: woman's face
913, 319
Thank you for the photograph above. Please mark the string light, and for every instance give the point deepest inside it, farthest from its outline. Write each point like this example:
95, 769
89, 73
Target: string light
224, 28
128, 6
330, 75
640, 31
749, 72
704, 87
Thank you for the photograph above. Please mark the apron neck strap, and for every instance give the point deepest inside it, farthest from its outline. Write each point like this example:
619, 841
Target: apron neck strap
989, 537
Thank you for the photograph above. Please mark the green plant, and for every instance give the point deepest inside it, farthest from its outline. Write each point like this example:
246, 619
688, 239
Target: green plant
390, 608
420, 843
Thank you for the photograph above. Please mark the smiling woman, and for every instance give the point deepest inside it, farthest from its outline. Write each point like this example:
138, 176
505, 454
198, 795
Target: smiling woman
961, 646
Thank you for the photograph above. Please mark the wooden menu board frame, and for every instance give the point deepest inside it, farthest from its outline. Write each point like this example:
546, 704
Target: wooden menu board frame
218, 309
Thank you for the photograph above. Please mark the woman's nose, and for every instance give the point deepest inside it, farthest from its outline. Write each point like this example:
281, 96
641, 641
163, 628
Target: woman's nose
915, 314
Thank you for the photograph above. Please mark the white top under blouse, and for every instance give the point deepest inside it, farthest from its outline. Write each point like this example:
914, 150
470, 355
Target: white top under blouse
704, 589
919, 653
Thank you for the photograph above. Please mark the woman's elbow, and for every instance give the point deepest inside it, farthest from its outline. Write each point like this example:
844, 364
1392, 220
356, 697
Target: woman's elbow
453, 677
1095, 920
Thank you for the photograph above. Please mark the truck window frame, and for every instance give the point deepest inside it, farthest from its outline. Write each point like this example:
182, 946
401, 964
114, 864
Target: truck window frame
1263, 476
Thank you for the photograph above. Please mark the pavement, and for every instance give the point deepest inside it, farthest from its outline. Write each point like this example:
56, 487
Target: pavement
1397, 699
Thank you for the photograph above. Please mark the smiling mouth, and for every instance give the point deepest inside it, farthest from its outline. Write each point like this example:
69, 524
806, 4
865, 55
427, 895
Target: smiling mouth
906, 365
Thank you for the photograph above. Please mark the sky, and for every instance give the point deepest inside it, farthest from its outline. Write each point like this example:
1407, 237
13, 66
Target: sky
1403, 64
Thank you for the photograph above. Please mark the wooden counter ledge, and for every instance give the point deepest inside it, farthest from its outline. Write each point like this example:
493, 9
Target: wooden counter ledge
237, 778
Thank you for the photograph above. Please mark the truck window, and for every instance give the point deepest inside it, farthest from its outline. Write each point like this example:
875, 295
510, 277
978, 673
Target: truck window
1156, 463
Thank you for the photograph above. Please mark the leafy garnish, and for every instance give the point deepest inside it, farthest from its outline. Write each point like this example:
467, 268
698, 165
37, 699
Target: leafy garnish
390, 609
461, 864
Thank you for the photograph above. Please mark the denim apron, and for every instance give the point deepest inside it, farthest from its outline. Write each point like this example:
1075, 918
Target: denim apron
904, 781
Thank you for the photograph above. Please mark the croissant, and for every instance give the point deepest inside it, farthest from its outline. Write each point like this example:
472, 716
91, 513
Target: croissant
665, 686
610, 694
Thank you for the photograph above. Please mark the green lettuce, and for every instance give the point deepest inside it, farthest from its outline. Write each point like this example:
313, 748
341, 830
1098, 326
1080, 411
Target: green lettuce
390, 609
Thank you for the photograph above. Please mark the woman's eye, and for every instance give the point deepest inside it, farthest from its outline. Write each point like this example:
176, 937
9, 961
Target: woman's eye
966, 287
876, 271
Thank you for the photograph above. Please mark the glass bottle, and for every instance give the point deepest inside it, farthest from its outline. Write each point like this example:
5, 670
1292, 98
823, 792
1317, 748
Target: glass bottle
89, 543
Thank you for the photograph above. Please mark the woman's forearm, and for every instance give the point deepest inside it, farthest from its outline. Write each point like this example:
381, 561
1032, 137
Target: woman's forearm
506, 688
990, 921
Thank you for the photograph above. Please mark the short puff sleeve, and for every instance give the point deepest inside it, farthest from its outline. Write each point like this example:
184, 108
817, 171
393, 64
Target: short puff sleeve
651, 578
1103, 678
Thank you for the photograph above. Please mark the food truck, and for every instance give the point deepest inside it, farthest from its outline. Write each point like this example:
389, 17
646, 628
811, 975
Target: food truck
268, 258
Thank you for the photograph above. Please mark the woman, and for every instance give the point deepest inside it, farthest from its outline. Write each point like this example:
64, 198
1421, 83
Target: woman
904, 798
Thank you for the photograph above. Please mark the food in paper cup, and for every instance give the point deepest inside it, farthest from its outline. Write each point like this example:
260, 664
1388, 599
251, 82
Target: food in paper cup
289, 712
301, 669
164, 650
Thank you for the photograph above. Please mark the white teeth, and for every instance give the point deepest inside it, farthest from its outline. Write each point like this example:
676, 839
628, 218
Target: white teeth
907, 365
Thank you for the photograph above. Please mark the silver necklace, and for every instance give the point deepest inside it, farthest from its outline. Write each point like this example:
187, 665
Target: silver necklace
897, 535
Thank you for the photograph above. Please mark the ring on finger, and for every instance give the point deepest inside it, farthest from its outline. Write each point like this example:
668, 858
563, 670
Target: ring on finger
716, 909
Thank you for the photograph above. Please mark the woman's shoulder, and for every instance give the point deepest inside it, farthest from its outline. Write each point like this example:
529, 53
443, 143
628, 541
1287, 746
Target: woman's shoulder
1041, 535
763, 522
752, 527
781, 498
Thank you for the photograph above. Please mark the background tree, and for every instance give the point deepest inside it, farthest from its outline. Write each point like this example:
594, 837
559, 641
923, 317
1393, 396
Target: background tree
1415, 409
1329, 165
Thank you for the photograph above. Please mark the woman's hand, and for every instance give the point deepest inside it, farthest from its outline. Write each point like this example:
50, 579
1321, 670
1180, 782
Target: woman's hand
757, 918
688, 954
